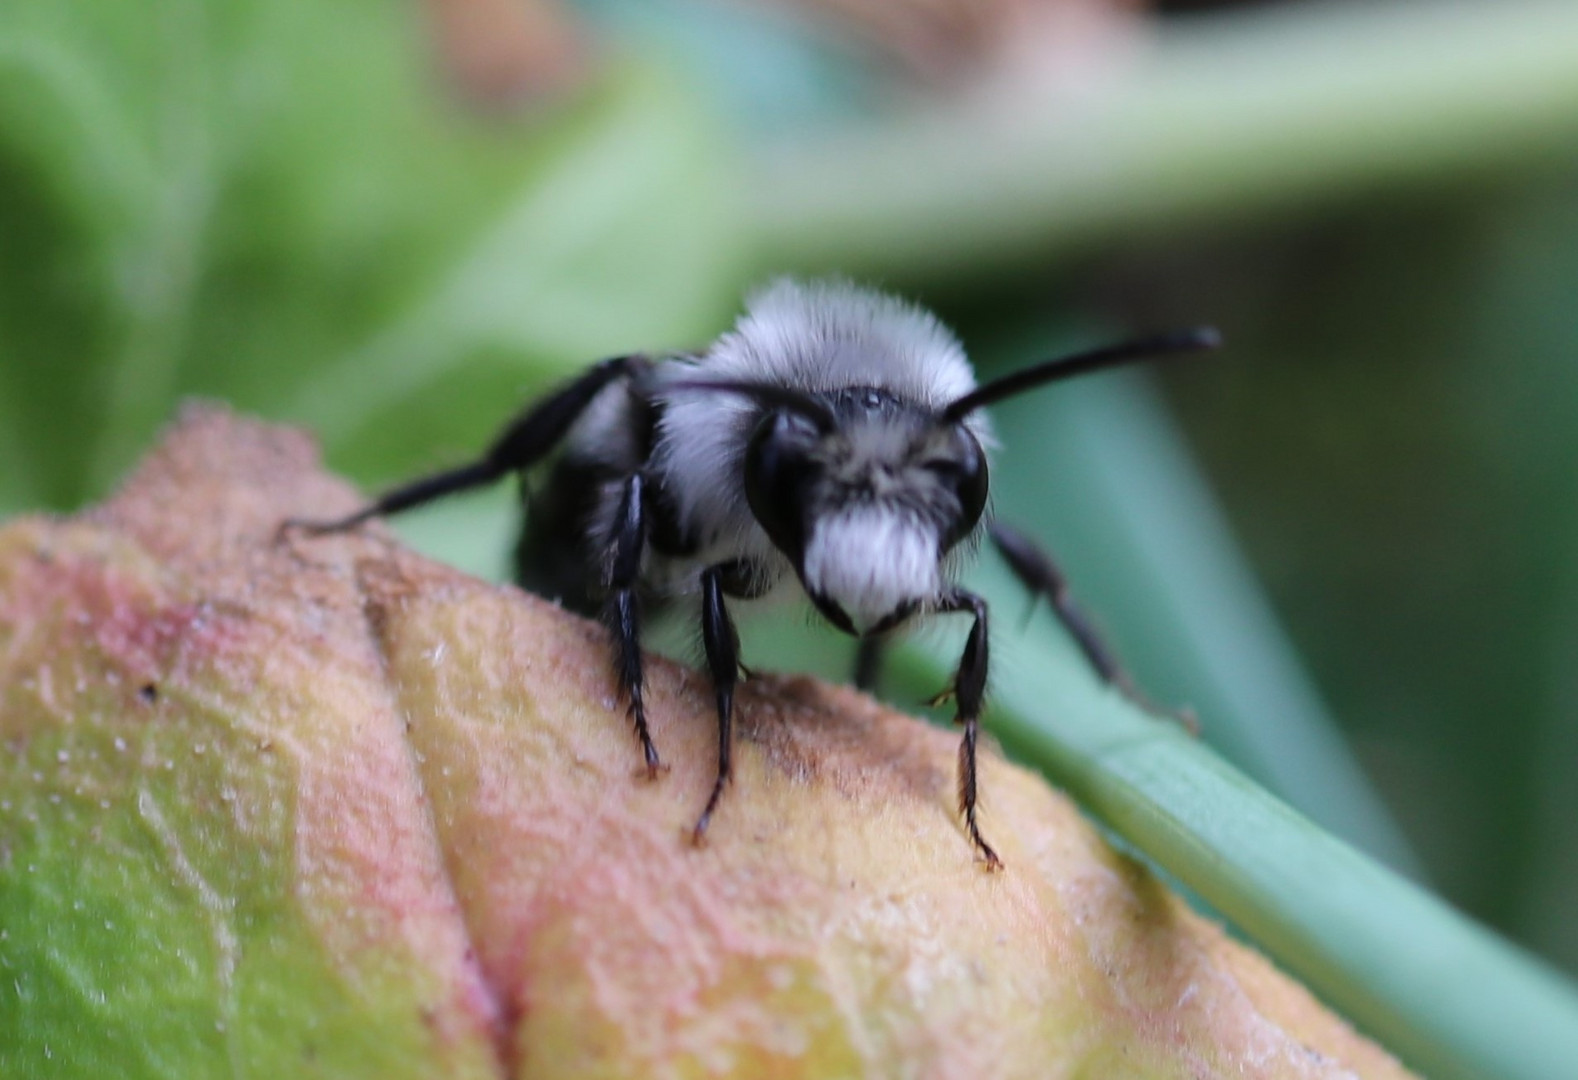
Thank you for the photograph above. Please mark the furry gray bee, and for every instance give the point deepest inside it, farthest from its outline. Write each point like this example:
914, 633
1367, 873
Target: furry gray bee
831, 444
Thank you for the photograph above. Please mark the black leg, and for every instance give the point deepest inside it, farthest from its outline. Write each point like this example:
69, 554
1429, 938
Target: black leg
622, 609
722, 643
868, 663
1038, 573
969, 687
520, 445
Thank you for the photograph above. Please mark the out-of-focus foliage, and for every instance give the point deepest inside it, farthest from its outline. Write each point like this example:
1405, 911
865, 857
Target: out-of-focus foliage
1401, 452
280, 202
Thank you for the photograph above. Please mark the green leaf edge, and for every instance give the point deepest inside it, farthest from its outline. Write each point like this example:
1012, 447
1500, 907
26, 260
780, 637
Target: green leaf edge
1102, 461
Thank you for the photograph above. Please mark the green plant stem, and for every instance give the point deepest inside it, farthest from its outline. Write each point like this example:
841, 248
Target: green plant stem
1443, 993
1099, 471
1207, 119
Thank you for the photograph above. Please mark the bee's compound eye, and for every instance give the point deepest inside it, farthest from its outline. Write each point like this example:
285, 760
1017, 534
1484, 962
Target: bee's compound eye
789, 426
778, 474
965, 472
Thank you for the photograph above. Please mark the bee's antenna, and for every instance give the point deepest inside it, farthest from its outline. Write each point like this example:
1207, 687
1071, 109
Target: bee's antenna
776, 397
1200, 339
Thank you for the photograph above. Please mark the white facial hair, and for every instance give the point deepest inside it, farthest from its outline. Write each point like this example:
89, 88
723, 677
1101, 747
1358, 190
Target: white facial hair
871, 560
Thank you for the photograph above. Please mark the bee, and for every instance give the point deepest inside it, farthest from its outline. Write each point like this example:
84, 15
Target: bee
831, 445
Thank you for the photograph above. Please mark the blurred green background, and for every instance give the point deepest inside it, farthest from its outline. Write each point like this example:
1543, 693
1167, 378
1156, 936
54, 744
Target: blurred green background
1350, 541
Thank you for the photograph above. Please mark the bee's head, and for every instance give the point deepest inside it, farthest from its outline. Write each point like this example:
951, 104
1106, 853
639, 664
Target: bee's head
865, 490
865, 494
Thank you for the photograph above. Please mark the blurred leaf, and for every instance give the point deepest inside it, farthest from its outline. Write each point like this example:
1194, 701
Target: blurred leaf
473, 533
624, 242
1392, 432
17, 473
222, 198
1518, 310
1269, 108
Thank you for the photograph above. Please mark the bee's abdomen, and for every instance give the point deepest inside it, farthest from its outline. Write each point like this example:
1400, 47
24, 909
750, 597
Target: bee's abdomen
555, 556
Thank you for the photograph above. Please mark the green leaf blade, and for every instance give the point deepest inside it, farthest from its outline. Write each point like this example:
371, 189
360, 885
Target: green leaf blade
1445, 994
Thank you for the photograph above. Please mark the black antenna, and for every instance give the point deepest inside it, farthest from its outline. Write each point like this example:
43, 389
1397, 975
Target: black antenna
1200, 339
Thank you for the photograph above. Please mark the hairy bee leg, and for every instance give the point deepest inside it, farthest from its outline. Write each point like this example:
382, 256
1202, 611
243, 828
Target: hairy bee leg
1038, 573
869, 655
722, 643
970, 692
416, 493
523, 442
622, 610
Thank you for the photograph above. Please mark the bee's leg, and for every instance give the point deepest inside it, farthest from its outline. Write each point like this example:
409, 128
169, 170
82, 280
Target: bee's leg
1038, 573
522, 443
622, 608
969, 692
722, 644
869, 655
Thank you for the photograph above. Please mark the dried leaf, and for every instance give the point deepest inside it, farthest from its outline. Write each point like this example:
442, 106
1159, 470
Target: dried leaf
285, 806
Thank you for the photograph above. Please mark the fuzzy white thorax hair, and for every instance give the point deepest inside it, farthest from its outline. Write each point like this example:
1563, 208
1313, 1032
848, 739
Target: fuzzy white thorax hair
827, 335
816, 336
870, 561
